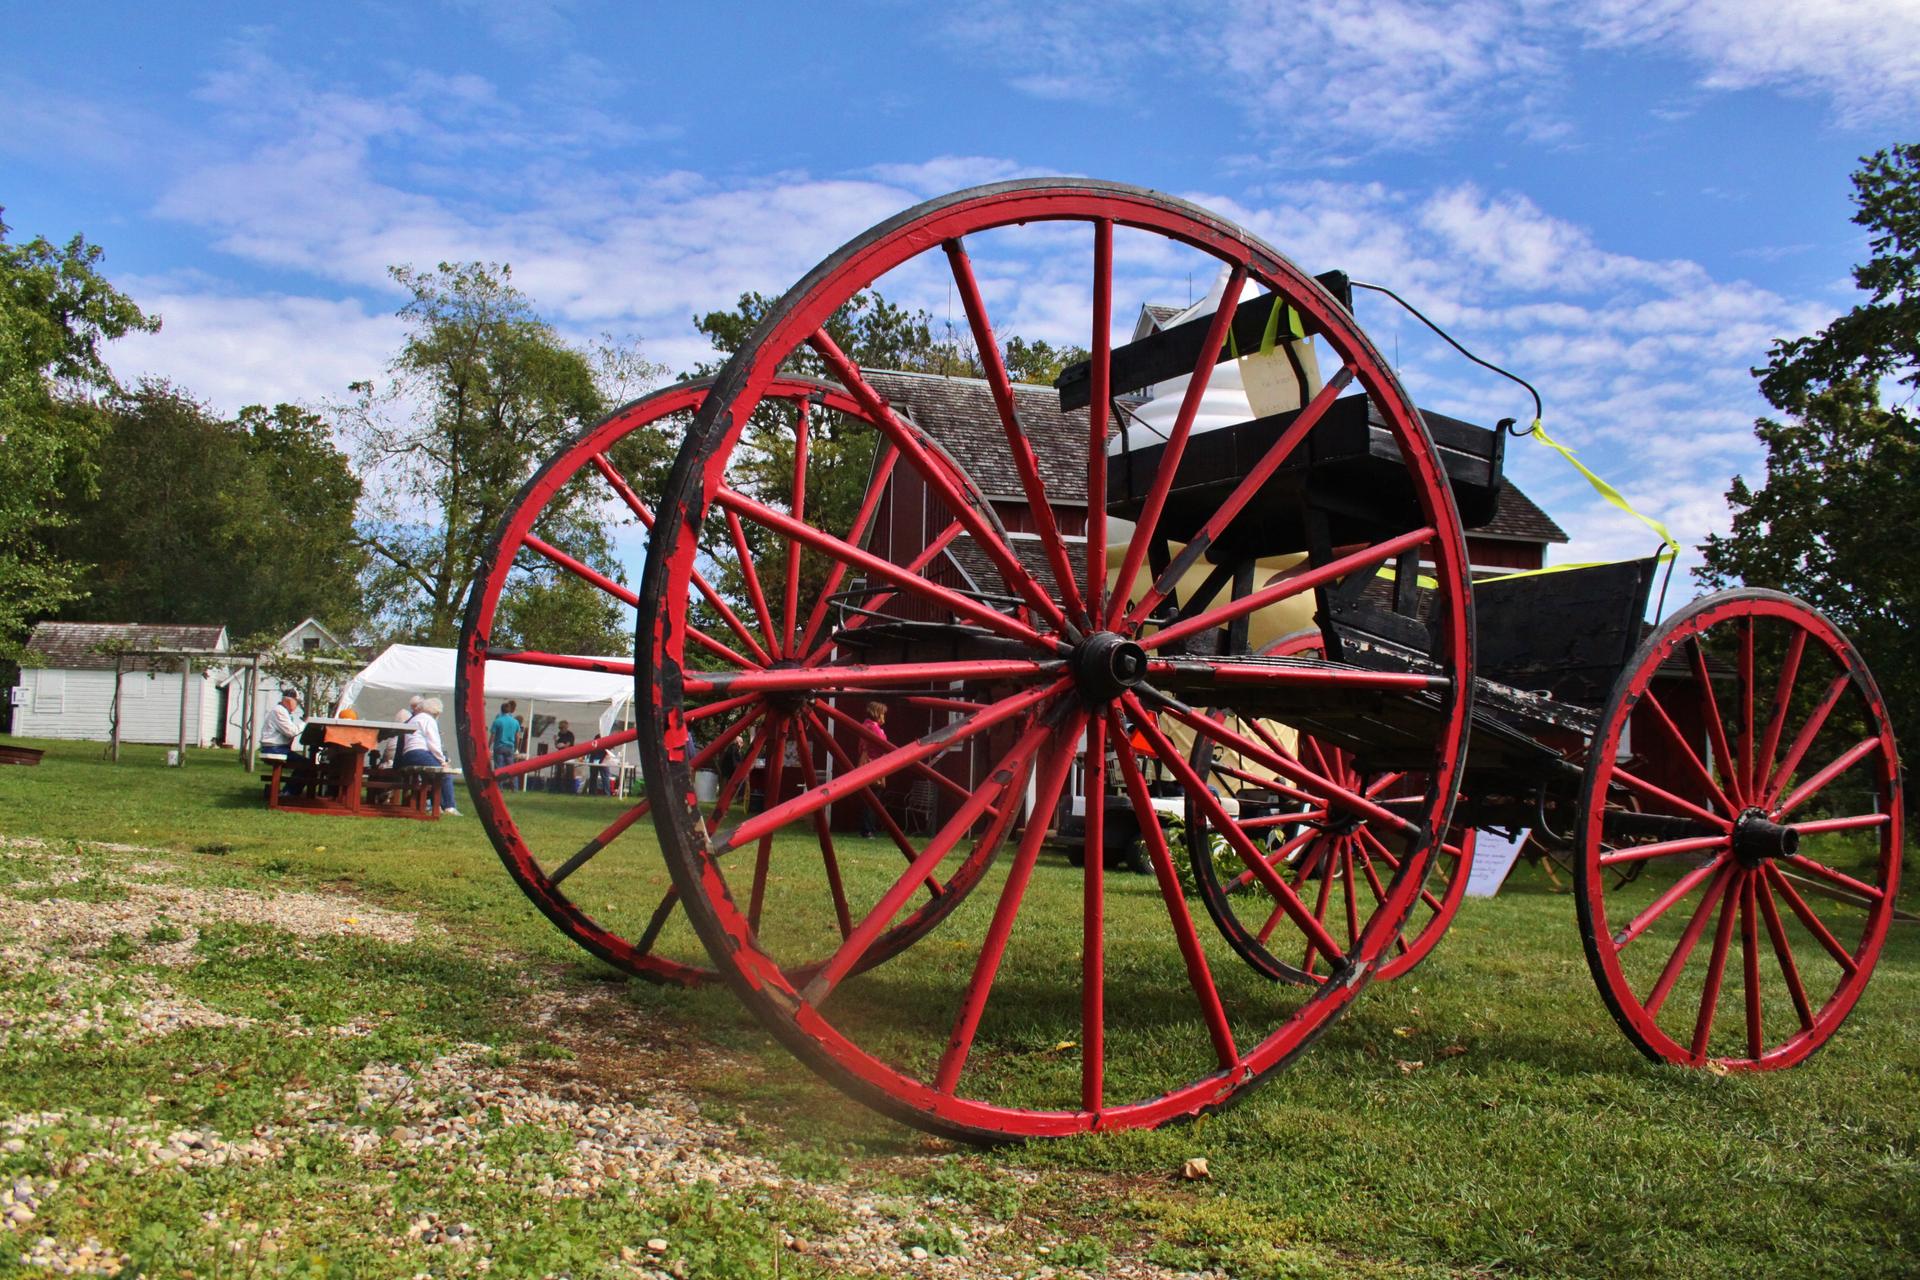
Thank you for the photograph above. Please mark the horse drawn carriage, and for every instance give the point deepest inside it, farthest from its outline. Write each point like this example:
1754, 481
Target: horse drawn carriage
1274, 618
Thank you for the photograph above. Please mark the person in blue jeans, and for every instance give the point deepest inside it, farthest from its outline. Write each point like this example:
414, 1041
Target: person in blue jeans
420, 748
503, 735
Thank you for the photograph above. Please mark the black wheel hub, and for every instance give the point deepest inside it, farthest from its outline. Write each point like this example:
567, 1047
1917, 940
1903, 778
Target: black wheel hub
791, 701
1105, 665
1756, 838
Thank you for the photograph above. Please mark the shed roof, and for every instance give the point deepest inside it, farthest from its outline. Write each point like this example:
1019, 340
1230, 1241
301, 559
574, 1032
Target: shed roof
75, 646
1515, 515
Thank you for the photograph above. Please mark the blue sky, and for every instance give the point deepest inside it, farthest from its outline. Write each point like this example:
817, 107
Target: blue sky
1625, 200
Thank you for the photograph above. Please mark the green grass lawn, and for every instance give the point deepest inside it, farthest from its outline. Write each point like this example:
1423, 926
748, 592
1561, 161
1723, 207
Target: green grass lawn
1482, 1115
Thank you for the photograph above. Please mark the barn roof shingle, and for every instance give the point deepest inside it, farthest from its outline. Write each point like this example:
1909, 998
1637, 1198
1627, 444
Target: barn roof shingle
76, 646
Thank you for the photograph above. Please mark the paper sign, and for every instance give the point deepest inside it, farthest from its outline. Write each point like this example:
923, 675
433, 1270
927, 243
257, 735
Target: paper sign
1493, 859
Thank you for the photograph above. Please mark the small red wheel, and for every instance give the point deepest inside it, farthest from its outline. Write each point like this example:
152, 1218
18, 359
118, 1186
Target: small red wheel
1759, 787
565, 850
1325, 840
1018, 1019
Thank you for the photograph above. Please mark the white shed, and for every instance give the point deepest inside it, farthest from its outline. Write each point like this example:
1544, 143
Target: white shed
69, 686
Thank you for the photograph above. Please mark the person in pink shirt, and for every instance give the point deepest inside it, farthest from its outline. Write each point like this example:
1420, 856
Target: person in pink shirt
872, 744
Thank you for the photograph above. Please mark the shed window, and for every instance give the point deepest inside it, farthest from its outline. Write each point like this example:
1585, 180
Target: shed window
50, 694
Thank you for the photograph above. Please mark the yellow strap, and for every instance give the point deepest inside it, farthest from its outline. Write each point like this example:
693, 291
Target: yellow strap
1271, 336
1606, 491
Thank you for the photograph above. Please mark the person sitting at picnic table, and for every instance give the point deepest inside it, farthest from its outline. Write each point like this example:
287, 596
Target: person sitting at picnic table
873, 744
279, 737
420, 748
503, 735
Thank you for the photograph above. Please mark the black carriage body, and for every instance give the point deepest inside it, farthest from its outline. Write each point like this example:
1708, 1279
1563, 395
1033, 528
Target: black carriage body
1548, 646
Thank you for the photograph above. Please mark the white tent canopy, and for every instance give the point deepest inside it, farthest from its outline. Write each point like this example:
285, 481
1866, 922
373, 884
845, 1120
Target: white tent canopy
594, 704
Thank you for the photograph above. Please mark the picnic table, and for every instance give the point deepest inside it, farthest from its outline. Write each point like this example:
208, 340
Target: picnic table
338, 780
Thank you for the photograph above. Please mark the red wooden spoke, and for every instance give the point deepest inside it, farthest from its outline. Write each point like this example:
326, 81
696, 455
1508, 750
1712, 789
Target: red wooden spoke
1777, 714
1667, 797
581, 569
1099, 417
1783, 952
1748, 783
1687, 753
1292, 583
1199, 977
869, 797
1750, 962
1249, 487
790, 607
1710, 711
1856, 822
937, 480
1283, 819
953, 601
1689, 939
1677, 890
565, 754
856, 534
1804, 739
1381, 783
1814, 785
775, 783
1201, 795
755, 595
1025, 464
1280, 858
1373, 877
633, 815
878, 599
1800, 862
1093, 922
587, 851
741, 778
1323, 790
829, 859
618, 482
941, 704
883, 766
563, 661
1053, 776
1841, 956
926, 771
1716, 970
1386, 855
1319, 913
1002, 785
1148, 521
1664, 849
877, 676
1351, 888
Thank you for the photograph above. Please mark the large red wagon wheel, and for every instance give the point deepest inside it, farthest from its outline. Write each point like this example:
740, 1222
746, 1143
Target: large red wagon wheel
1056, 1001
551, 841
1767, 811
1338, 860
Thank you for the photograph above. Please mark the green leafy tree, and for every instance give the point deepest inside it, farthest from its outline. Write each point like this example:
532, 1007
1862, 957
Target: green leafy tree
195, 518
1840, 501
1880, 338
481, 393
56, 310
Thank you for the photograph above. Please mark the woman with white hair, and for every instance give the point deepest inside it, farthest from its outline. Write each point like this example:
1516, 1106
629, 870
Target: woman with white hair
420, 747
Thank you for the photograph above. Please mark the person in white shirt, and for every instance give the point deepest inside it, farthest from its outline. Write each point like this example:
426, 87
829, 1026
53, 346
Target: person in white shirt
280, 734
420, 748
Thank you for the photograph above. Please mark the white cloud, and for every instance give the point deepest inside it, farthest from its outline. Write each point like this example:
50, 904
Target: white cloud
233, 349
1862, 55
